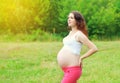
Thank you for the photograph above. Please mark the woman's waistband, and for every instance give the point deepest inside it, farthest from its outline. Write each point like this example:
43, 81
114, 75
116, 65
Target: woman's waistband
71, 67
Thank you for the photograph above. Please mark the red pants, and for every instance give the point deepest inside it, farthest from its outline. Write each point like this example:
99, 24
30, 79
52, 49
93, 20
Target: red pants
71, 74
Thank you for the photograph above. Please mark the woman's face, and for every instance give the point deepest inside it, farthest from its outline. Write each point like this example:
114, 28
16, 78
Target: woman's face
71, 20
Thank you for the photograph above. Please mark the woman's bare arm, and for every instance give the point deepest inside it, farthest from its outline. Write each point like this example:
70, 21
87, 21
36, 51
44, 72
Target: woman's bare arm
92, 47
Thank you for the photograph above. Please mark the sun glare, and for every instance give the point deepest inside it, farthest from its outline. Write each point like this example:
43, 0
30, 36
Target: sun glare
14, 13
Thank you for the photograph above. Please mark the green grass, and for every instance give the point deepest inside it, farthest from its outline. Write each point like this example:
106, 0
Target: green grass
36, 62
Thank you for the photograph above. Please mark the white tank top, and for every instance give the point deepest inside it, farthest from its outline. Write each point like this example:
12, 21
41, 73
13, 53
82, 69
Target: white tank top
73, 44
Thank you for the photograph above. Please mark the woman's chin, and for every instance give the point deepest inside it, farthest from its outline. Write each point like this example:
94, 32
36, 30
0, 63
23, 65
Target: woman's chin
69, 26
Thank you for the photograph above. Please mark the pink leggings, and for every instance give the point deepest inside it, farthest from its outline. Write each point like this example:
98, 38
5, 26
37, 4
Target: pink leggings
71, 74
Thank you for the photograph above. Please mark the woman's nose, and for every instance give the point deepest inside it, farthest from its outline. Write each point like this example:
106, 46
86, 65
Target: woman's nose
68, 19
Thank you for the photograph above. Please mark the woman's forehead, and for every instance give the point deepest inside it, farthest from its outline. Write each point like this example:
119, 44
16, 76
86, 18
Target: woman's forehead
71, 15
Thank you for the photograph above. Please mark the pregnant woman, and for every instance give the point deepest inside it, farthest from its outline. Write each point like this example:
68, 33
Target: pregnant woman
69, 57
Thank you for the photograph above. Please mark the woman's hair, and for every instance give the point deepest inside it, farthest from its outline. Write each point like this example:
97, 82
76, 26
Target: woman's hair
80, 22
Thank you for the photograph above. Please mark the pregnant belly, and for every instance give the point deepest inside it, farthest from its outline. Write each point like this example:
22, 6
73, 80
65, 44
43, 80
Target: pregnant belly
66, 58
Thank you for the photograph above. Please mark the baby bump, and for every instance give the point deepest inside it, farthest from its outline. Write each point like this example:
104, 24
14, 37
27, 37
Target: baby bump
66, 58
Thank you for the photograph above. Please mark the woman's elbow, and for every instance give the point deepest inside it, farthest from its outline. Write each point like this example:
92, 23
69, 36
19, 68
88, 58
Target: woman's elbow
95, 49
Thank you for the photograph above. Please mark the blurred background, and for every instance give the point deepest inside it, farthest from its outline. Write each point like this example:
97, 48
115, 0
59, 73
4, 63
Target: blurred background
46, 20
31, 32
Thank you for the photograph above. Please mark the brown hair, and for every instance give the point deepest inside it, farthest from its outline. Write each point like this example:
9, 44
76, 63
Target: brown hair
80, 22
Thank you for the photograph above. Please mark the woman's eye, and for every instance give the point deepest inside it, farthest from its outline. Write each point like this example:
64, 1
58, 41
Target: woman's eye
70, 18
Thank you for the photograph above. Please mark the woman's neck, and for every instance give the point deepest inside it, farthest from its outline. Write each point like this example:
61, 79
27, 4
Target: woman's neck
74, 29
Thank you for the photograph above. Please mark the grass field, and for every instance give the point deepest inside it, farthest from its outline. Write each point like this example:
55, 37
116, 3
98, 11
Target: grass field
36, 63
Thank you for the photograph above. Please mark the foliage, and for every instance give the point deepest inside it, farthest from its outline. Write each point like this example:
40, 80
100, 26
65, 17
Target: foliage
26, 16
36, 35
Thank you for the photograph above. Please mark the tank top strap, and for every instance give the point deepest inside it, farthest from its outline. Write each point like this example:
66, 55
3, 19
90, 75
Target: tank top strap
75, 34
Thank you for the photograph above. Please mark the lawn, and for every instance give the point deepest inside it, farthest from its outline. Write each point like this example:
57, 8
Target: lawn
35, 62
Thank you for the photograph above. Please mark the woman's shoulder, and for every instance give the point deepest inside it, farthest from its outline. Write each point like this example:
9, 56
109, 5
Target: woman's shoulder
81, 36
80, 33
